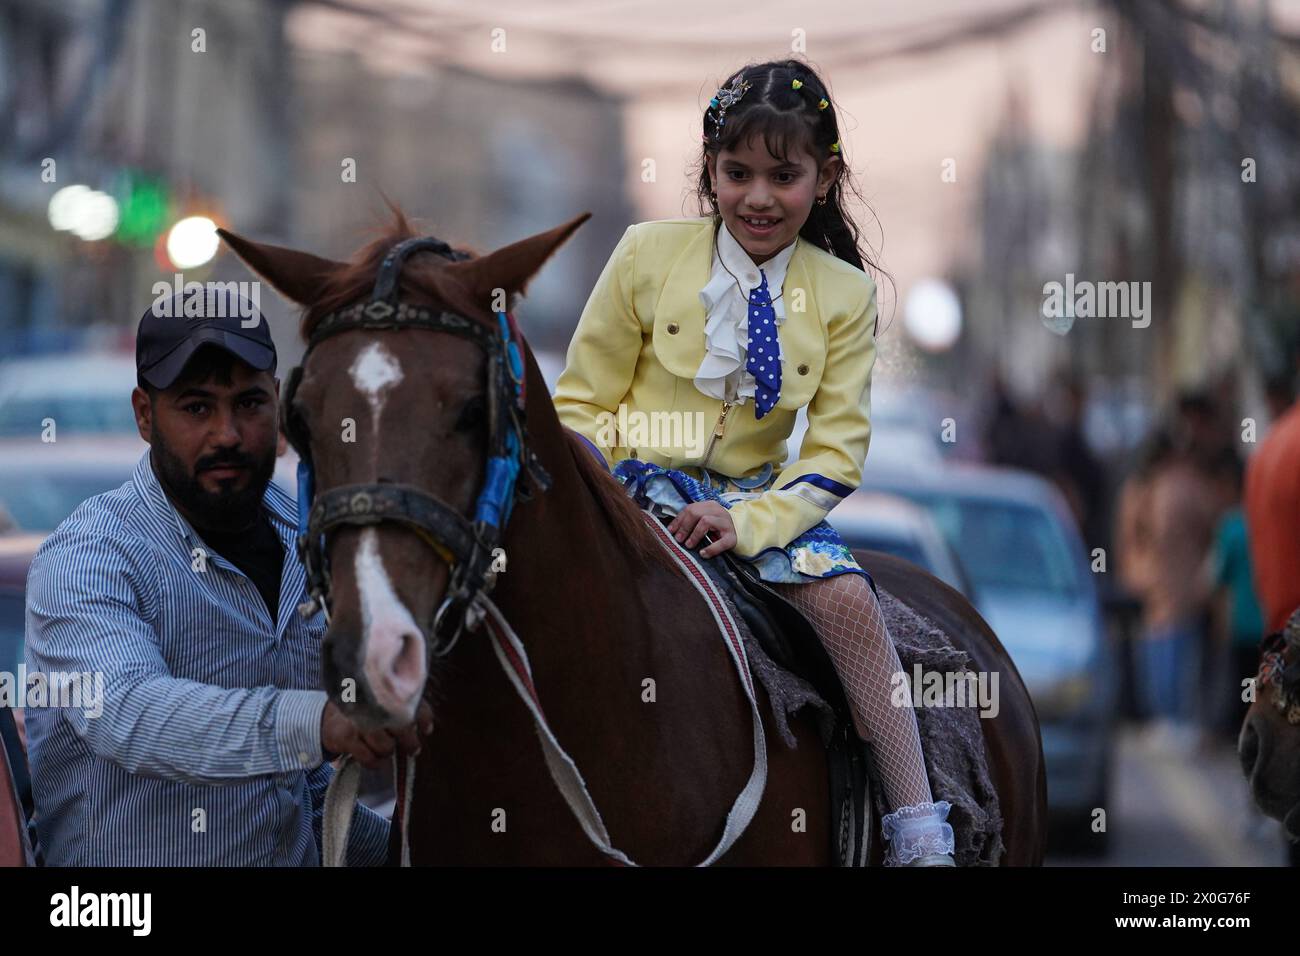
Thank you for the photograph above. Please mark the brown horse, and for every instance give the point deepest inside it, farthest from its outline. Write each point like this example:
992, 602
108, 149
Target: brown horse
1269, 744
600, 610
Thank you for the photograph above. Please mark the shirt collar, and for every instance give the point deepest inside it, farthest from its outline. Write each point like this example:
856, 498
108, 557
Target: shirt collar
279, 507
735, 258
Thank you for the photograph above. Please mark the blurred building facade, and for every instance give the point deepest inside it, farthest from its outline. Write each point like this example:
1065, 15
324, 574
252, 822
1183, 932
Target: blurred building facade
235, 123
1185, 180
478, 160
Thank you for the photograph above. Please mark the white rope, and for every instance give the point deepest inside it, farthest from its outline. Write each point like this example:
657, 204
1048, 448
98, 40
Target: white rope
341, 796
336, 820
408, 793
565, 773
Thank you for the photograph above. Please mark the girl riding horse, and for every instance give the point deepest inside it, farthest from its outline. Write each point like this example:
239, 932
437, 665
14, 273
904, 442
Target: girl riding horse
735, 321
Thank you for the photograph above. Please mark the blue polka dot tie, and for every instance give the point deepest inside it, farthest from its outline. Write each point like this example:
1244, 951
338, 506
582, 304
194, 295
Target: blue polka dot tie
763, 357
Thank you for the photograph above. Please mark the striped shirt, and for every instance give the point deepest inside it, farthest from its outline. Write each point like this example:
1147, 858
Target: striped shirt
206, 749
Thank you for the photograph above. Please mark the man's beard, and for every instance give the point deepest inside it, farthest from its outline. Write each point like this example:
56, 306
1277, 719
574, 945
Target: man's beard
225, 510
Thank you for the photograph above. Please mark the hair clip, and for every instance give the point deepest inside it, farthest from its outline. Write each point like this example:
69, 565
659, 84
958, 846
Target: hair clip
835, 146
796, 84
823, 103
724, 99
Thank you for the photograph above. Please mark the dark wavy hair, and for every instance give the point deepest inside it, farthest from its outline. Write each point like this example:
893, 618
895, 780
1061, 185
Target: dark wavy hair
789, 121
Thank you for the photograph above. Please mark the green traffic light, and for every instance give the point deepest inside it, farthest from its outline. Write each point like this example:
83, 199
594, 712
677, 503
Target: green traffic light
142, 202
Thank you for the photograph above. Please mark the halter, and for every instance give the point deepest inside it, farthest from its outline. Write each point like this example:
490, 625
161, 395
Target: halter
466, 546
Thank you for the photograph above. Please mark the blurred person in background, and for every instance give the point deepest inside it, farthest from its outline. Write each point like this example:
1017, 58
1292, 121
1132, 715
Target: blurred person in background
1052, 444
1074, 467
1167, 517
1015, 436
1272, 505
1135, 549
1238, 622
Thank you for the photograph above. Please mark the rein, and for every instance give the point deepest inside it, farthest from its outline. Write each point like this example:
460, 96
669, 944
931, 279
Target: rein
566, 776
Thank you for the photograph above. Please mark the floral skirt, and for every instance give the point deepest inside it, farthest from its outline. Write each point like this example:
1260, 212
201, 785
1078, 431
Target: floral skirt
818, 553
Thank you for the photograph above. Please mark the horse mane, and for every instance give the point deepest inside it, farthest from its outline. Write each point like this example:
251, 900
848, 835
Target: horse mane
629, 526
356, 280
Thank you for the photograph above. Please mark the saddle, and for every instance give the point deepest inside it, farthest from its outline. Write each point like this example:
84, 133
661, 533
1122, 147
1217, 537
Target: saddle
788, 646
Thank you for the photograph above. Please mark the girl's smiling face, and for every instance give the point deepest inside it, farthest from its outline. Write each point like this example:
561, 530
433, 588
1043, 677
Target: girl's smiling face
765, 200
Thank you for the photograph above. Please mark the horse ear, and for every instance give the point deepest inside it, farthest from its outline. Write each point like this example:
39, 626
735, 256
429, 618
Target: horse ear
295, 275
511, 267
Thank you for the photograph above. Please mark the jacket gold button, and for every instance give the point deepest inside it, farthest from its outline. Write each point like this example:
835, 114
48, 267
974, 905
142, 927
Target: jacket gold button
803, 369
672, 328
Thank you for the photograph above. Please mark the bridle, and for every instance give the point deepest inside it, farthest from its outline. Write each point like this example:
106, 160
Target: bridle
468, 547
1275, 672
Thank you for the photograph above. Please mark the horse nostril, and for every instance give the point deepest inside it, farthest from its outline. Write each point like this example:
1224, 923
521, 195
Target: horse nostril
339, 661
407, 667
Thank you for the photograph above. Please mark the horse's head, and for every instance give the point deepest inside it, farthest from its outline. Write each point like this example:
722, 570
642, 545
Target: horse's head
405, 393
1269, 745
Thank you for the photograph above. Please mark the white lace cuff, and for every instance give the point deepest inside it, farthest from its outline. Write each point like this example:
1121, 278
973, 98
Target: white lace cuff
914, 832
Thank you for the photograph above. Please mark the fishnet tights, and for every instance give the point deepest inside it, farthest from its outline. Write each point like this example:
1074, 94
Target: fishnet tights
848, 619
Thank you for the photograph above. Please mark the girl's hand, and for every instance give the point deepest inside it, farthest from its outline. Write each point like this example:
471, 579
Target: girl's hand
697, 520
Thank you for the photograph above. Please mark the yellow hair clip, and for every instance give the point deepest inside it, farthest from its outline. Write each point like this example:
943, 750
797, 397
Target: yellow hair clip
835, 146
822, 104
796, 84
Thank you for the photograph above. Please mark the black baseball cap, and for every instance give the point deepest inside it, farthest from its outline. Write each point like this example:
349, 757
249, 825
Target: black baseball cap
172, 330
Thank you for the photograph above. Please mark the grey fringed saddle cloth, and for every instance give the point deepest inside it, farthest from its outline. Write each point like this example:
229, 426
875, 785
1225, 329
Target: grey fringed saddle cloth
952, 739
951, 736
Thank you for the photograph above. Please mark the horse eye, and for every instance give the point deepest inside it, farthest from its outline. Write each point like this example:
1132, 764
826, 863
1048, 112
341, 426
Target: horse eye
472, 415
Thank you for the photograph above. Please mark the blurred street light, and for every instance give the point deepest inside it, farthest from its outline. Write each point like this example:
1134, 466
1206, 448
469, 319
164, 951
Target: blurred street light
192, 242
85, 212
932, 315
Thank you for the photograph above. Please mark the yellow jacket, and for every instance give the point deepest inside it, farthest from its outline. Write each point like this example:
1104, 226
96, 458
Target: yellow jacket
640, 341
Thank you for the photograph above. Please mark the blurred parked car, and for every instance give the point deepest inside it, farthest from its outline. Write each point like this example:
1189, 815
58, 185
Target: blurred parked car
84, 394
1028, 568
42, 483
897, 526
906, 429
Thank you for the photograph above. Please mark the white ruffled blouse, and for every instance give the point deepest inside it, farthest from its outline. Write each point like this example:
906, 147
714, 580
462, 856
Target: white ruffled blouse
722, 374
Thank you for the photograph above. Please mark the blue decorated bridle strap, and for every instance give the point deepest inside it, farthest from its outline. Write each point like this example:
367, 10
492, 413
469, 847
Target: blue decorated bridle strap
497, 497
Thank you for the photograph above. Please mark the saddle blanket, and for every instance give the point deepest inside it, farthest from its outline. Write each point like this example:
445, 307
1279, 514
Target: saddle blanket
951, 737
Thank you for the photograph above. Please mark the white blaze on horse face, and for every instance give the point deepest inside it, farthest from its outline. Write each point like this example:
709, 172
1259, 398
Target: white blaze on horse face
391, 643
374, 371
